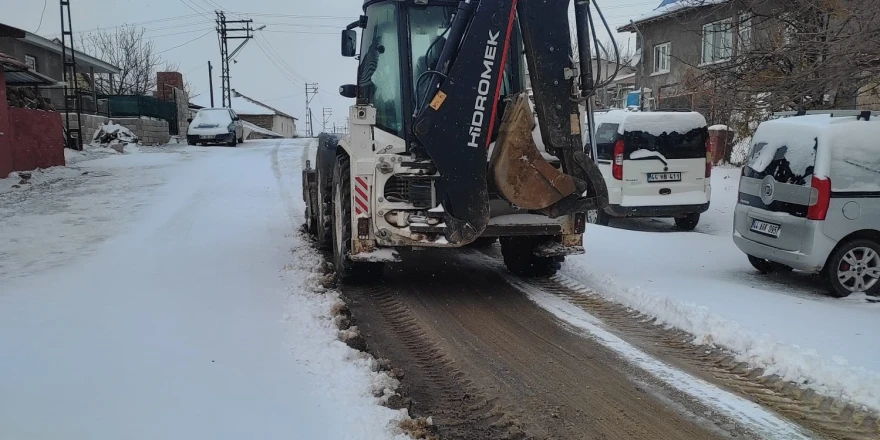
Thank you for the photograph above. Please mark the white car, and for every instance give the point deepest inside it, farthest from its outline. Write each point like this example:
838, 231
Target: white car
215, 126
656, 164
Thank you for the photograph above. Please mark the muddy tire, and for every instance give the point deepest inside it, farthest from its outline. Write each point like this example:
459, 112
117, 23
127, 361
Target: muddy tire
520, 259
688, 222
324, 211
854, 267
347, 271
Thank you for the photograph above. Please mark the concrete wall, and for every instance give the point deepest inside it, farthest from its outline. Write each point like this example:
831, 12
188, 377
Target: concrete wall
150, 131
182, 112
48, 63
37, 139
284, 126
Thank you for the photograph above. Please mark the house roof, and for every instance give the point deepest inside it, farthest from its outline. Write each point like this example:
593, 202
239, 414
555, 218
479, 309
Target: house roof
257, 106
85, 63
667, 9
242, 105
19, 74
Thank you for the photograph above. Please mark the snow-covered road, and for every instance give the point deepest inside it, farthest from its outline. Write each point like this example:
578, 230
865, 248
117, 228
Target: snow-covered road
701, 283
169, 295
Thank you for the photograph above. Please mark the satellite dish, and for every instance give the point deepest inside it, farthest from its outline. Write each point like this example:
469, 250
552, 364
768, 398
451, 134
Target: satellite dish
637, 58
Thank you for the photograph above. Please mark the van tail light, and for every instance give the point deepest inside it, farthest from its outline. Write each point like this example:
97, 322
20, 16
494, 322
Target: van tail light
617, 165
820, 198
708, 158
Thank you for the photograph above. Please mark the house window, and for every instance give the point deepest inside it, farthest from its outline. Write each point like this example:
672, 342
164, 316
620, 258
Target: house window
745, 31
31, 62
661, 58
717, 41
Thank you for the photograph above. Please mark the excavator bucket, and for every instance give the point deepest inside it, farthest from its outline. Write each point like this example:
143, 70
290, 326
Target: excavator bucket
520, 173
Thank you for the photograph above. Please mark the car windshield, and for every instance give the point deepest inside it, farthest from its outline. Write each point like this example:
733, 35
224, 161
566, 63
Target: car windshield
212, 117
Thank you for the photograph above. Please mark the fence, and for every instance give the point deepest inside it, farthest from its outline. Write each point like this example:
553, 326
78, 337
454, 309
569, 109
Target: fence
120, 106
135, 106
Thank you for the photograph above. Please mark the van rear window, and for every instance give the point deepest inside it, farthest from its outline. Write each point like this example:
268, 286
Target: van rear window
675, 145
788, 153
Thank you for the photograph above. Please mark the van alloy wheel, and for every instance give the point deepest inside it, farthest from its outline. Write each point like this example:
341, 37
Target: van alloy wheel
859, 269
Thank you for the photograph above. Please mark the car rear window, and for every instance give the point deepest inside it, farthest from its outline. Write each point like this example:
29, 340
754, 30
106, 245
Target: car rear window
855, 157
786, 152
606, 135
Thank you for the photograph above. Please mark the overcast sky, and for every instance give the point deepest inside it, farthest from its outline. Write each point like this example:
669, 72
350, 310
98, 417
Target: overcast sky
300, 43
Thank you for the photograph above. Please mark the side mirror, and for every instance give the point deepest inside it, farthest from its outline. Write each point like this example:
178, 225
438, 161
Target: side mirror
189, 119
348, 91
349, 43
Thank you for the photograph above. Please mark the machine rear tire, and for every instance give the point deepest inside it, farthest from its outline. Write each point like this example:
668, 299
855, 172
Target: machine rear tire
347, 271
520, 259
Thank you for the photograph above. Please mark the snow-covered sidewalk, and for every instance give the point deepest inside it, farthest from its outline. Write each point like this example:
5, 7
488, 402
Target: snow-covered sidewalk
701, 283
169, 295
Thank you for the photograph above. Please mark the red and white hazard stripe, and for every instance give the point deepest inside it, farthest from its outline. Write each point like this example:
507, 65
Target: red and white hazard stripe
361, 196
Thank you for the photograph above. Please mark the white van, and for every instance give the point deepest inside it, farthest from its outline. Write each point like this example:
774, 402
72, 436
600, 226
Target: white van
656, 164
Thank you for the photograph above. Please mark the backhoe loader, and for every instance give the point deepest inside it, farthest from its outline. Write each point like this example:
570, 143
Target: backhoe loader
472, 122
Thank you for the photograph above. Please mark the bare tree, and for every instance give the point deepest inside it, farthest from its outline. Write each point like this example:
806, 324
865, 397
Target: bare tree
799, 54
127, 48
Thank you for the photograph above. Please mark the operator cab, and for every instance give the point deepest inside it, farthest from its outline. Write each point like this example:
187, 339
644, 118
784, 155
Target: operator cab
401, 42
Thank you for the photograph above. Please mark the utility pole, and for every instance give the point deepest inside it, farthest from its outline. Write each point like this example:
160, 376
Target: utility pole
225, 33
211, 82
71, 84
311, 122
644, 57
327, 113
311, 91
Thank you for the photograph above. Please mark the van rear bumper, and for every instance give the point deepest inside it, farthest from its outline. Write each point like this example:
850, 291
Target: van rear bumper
796, 260
656, 211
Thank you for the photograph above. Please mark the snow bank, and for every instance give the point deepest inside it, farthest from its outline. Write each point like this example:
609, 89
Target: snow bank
702, 284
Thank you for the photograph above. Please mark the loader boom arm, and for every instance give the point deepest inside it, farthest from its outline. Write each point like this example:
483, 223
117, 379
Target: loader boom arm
458, 115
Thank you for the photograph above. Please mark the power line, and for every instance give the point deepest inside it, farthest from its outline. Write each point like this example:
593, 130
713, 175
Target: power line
281, 60
42, 14
188, 42
181, 33
278, 67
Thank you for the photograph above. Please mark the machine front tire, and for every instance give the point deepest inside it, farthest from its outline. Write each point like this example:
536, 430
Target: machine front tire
347, 271
519, 257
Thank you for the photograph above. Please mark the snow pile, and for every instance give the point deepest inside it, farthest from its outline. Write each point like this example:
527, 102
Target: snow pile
658, 123
668, 7
114, 136
702, 284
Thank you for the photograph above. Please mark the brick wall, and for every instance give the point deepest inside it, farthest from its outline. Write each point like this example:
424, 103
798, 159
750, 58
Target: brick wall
150, 131
262, 121
5, 133
166, 82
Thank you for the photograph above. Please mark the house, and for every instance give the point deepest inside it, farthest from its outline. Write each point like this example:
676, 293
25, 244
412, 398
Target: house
613, 95
680, 38
263, 116
44, 56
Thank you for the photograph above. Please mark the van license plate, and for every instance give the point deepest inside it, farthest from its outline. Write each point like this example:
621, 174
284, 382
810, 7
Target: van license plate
664, 177
765, 228
207, 137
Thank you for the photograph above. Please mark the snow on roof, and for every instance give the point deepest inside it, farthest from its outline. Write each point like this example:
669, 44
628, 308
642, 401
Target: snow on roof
243, 106
667, 8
